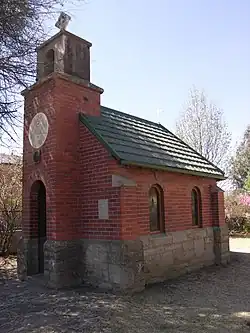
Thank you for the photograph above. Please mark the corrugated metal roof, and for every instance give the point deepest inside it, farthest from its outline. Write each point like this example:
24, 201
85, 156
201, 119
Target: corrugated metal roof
136, 141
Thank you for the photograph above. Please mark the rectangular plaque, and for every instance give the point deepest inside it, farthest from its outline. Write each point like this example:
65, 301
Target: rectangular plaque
103, 209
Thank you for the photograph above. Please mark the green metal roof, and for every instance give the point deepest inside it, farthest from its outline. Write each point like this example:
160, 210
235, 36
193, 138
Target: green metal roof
136, 141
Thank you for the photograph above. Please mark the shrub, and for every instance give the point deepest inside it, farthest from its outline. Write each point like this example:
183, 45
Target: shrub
237, 207
10, 202
8, 225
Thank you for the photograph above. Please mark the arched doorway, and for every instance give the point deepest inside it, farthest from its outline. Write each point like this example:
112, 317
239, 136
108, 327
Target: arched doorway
38, 220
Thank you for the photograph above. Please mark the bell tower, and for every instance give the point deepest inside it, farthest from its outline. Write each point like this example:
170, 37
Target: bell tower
64, 53
51, 191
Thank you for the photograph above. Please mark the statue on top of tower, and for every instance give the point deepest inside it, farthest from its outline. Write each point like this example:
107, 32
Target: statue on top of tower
63, 21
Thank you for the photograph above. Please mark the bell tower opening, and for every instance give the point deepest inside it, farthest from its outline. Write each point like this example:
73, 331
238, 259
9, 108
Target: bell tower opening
49, 62
64, 53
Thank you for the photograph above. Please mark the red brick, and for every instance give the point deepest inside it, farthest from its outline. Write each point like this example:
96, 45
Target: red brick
76, 171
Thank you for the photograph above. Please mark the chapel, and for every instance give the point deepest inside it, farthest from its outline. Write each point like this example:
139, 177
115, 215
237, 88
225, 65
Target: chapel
109, 199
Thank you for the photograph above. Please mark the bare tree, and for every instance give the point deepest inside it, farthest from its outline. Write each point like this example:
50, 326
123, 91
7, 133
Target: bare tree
22, 29
202, 126
10, 200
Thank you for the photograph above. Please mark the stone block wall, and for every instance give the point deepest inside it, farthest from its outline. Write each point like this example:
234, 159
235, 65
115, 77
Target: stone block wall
175, 253
130, 265
63, 263
225, 253
31, 254
126, 266
114, 265
221, 245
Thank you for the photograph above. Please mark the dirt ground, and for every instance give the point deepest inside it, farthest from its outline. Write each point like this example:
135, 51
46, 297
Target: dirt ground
216, 299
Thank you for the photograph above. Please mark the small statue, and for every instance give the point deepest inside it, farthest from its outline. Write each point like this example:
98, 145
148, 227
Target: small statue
63, 21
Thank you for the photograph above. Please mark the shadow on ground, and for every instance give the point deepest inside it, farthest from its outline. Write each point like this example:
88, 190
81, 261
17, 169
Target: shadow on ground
215, 299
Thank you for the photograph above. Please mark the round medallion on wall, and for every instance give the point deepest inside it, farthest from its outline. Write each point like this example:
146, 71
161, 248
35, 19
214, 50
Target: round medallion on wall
38, 130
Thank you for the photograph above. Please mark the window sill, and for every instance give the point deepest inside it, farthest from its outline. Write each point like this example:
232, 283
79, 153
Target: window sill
197, 226
157, 234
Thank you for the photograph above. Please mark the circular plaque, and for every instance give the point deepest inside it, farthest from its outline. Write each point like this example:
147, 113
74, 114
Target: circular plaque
38, 130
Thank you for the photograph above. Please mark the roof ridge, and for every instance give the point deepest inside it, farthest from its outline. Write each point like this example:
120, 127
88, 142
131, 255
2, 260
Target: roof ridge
131, 115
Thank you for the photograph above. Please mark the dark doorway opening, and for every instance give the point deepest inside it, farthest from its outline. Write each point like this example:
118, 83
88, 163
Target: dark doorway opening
41, 225
38, 221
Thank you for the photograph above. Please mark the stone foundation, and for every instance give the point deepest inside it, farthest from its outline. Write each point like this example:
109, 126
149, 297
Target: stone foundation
27, 257
63, 266
114, 265
31, 255
125, 266
173, 254
221, 245
21, 260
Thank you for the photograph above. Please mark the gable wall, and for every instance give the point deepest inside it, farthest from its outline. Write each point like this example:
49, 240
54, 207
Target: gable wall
95, 184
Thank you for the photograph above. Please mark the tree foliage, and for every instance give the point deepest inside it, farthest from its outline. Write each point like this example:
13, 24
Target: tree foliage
240, 167
201, 125
22, 29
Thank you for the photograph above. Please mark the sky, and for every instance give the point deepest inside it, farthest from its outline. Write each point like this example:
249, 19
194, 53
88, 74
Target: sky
146, 55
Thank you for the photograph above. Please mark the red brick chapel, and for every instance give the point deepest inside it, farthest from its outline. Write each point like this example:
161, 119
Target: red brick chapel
109, 199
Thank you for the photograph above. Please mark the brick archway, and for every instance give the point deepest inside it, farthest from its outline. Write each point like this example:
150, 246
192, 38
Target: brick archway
38, 220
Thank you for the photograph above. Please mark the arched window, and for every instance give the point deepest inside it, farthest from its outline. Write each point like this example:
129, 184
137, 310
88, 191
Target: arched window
196, 207
49, 62
156, 209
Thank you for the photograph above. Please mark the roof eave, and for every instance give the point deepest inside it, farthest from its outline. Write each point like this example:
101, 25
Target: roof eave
204, 158
177, 170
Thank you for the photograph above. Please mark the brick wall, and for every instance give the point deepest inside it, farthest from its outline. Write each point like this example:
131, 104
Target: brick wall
76, 170
61, 100
217, 205
221, 206
38, 100
177, 200
95, 183
130, 204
